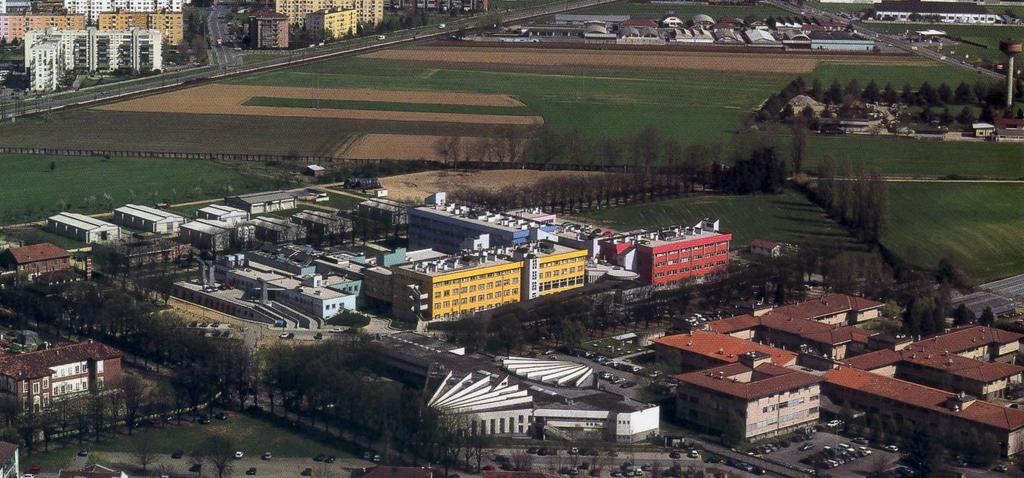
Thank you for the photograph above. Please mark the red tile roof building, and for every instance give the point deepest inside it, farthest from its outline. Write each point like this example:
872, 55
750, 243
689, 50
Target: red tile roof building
670, 255
947, 371
796, 334
397, 472
92, 471
913, 405
765, 399
39, 378
36, 259
699, 350
974, 341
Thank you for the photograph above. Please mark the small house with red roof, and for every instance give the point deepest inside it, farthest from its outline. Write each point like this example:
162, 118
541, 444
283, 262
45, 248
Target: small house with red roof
92, 471
764, 247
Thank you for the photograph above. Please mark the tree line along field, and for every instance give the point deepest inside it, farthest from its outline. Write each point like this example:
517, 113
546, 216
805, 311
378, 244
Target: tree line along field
978, 225
32, 190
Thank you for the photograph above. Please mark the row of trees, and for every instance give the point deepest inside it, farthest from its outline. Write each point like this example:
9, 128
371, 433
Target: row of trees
856, 198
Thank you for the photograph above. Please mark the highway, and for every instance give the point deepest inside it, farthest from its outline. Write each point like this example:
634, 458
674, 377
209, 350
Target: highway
31, 104
224, 53
888, 39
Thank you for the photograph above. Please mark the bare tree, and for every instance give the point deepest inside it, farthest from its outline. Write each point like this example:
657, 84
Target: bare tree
133, 392
220, 451
144, 450
521, 461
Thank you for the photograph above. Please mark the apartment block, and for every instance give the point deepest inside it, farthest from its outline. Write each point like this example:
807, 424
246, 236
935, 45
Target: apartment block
50, 53
169, 24
93, 8
751, 398
268, 30
913, 405
943, 370
333, 23
14, 27
367, 11
700, 349
670, 255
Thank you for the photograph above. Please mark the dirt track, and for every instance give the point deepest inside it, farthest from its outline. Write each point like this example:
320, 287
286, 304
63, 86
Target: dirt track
416, 186
609, 59
394, 146
230, 99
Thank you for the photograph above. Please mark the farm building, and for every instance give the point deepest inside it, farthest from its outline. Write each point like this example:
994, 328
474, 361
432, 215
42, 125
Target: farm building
273, 229
82, 228
384, 211
765, 248
36, 259
321, 224
148, 219
945, 12
228, 214
839, 41
259, 203
760, 38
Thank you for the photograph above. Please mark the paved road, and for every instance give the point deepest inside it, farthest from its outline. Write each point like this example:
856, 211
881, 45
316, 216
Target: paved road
897, 42
216, 21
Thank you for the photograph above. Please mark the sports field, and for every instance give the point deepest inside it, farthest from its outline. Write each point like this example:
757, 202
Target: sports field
980, 226
31, 190
786, 217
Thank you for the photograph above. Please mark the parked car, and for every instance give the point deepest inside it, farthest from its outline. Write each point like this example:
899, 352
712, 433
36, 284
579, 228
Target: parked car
307, 472
806, 446
675, 455
891, 448
221, 416
251, 471
177, 454
239, 455
694, 454
267, 455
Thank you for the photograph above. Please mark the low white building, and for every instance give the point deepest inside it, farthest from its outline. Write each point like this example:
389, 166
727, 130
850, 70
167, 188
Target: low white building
945, 12
519, 397
82, 228
219, 212
148, 219
51, 53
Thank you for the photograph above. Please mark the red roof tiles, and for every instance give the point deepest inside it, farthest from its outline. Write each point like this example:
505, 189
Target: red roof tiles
828, 304
37, 364
398, 472
741, 381
37, 252
722, 347
966, 338
949, 363
920, 396
805, 328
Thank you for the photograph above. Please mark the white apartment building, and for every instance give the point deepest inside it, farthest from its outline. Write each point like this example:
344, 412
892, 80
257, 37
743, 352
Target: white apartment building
92, 8
49, 53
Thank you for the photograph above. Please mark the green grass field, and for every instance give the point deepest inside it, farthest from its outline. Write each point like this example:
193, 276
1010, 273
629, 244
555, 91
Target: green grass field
683, 11
980, 226
386, 106
915, 158
913, 73
987, 35
696, 106
86, 185
786, 217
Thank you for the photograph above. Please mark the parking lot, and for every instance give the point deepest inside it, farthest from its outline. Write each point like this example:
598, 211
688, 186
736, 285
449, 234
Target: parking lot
857, 467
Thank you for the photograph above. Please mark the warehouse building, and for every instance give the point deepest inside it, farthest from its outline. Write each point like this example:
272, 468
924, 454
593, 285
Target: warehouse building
216, 236
82, 228
384, 211
945, 12
259, 203
517, 397
148, 219
277, 230
321, 224
228, 214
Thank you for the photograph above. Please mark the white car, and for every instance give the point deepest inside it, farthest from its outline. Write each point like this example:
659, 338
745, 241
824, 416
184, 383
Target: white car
239, 455
891, 448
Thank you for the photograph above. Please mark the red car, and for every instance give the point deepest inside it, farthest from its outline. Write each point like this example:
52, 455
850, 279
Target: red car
489, 468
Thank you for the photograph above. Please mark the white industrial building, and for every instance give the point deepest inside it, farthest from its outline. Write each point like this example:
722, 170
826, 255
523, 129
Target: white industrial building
92, 8
215, 236
259, 203
148, 219
82, 228
519, 397
945, 12
218, 212
50, 53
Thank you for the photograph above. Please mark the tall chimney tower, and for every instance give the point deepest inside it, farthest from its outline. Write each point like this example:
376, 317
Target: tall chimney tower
1011, 48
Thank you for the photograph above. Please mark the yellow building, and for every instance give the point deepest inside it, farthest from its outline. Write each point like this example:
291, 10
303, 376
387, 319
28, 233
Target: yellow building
169, 24
451, 287
13, 27
333, 23
367, 11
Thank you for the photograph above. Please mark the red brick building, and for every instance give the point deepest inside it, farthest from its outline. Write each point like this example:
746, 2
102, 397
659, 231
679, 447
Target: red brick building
36, 259
670, 255
39, 378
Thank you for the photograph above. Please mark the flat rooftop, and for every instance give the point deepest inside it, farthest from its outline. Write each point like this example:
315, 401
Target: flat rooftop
220, 209
482, 219
264, 197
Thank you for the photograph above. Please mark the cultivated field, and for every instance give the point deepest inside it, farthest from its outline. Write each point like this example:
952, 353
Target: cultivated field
412, 188
980, 226
233, 100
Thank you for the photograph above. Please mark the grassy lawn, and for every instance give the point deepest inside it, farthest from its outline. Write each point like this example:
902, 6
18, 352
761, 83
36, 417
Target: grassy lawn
786, 217
257, 57
683, 11
341, 202
987, 35
87, 185
386, 106
908, 157
36, 234
691, 106
980, 226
